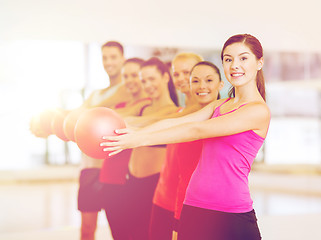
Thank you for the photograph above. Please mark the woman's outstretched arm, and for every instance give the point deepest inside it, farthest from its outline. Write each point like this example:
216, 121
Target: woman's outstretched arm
254, 116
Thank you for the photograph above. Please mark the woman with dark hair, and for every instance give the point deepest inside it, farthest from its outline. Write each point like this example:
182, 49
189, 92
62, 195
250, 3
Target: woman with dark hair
145, 162
217, 203
114, 169
205, 84
162, 221
134, 88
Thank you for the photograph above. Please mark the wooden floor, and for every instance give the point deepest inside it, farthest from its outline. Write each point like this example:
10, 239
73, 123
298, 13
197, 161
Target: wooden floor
48, 210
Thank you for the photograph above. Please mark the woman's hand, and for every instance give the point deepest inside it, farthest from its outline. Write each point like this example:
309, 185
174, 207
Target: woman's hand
126, 138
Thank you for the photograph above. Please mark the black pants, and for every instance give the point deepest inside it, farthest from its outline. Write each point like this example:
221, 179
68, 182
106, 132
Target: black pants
204, 224
139, 197
161, 224
115, 208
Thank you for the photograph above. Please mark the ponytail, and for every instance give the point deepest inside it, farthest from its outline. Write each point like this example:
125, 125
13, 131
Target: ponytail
172, 90
260, 83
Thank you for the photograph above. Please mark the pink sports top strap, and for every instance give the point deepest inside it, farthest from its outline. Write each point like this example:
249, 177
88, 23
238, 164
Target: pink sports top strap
223, 103
217, 111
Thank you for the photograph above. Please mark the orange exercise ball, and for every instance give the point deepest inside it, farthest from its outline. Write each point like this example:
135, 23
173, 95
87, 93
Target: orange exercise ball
35, 128
92, 125
70, 123
57, 124
40, 124
46, 119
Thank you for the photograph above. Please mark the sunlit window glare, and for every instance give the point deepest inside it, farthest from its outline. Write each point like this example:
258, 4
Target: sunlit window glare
38, 75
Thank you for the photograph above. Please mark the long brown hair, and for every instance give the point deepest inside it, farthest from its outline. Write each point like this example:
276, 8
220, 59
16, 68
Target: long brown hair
255, 46
163, 68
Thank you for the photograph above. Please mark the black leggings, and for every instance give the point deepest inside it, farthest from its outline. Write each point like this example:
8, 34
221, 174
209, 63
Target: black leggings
204, 224
161, 224
139, 195
115, 208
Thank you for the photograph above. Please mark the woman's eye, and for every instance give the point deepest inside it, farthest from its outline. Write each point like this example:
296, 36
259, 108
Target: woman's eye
243, 58
228, 60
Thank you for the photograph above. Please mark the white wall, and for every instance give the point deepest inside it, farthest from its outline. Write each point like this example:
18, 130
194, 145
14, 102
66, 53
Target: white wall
280, 25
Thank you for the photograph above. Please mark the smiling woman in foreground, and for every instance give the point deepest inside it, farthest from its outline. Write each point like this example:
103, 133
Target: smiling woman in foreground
218, 204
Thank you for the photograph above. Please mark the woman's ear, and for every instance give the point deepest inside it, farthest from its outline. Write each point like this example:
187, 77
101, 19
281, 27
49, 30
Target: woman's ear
166, 77
260, 64
221, 85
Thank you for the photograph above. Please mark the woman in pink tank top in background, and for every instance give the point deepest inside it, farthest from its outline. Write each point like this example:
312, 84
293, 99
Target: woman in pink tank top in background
218, 204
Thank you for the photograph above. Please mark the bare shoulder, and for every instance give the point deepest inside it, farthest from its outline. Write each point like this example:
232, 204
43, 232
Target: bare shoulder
94, 92
88, 100
256, 116
259, 108
171, 109
260, 116
121, 88
207, 111
218, 102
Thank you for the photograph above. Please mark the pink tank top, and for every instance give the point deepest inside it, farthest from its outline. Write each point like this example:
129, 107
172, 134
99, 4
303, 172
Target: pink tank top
220, 180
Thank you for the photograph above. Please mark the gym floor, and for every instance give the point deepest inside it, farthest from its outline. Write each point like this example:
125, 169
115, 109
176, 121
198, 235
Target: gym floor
288, 206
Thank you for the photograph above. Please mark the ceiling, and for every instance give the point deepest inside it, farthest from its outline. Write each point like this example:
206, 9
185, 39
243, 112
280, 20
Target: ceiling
280, 25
